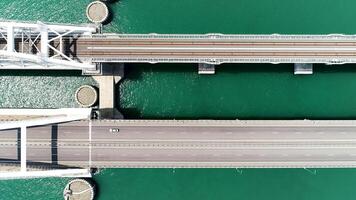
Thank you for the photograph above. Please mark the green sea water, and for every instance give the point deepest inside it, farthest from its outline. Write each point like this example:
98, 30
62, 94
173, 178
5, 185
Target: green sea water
177, 91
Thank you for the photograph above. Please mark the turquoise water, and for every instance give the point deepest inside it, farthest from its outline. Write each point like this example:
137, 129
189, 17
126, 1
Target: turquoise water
227, 184
177, 91
37, 89
210, 184
46, 189
242, 91
234, 16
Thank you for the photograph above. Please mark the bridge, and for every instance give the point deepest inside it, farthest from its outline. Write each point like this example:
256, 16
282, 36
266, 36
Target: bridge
186, 144
218, 48
56, 46
68, 142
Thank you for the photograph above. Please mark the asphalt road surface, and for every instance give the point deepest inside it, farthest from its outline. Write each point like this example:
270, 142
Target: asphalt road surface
235, 144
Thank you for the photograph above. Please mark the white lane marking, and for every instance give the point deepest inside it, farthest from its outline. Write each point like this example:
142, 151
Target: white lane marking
274, 49
307, 139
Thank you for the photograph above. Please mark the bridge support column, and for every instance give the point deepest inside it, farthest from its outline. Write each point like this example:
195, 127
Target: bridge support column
303, 68
206, 68
111, 74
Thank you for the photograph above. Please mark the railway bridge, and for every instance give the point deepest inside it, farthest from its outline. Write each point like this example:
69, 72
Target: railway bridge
57, 46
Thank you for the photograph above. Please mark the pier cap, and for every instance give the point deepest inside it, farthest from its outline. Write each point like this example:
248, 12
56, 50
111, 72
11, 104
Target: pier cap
97, 12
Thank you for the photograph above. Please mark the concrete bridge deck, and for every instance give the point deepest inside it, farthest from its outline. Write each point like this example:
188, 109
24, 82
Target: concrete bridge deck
217, 48
150, 143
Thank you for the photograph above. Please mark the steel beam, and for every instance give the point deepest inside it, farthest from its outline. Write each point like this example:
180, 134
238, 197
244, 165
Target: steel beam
73, 173
10, 39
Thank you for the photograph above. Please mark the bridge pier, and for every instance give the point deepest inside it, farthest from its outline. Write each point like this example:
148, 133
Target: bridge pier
206, 68
303, 68
111, 74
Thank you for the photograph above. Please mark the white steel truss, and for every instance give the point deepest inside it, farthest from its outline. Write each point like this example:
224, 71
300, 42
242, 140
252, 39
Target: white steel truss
39, 46
38, 117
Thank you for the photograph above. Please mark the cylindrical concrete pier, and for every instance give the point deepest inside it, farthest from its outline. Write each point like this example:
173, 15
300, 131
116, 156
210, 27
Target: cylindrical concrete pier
97, 12
79, 189
86, 96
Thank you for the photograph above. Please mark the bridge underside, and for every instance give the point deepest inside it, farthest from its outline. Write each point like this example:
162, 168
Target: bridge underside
173, 144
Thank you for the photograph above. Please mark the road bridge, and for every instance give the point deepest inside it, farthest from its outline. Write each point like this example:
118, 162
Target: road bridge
200, 143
